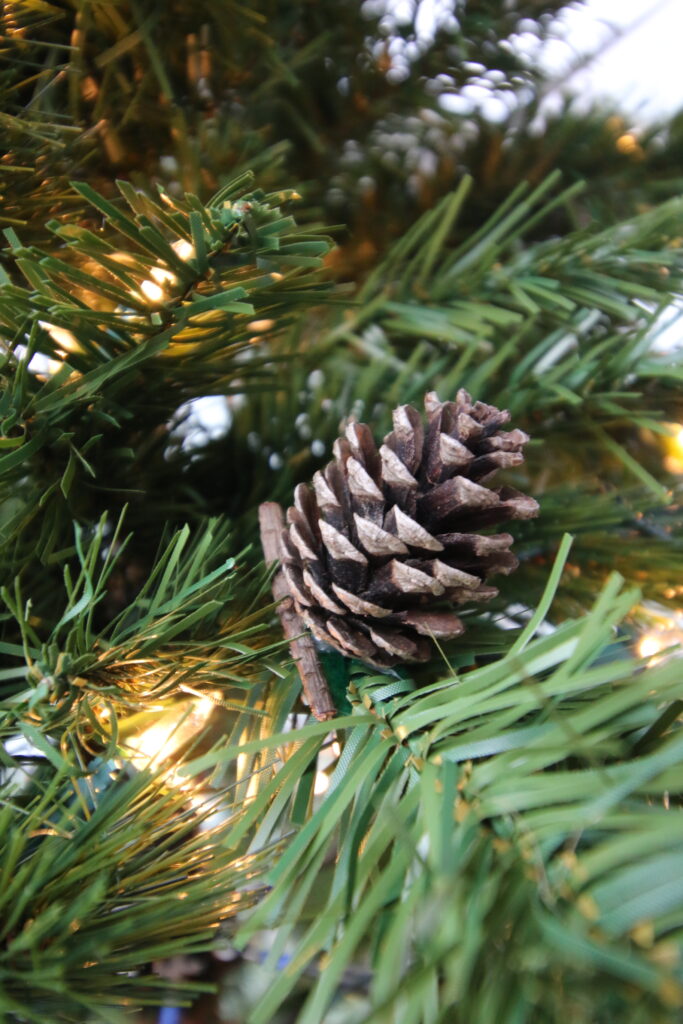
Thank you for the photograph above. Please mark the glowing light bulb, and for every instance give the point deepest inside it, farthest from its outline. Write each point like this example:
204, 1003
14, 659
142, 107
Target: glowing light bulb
327, 758
649, 645
260, 325
321, 783
162, 276
173, 729
673, 444
64, 338
152, 291
627, 143
184, 249
652, 643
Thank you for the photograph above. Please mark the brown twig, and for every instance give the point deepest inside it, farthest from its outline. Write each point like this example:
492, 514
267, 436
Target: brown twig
301, 644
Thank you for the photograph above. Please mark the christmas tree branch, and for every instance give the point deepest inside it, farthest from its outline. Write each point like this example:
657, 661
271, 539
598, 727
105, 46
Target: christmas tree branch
523, 752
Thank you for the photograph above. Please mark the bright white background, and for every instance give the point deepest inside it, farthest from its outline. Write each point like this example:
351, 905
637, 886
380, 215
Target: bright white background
641, 65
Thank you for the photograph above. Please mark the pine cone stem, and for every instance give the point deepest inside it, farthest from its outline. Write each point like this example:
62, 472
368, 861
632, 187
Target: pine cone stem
301, 643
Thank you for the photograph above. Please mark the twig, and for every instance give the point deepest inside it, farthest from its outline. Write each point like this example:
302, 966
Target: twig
316, 690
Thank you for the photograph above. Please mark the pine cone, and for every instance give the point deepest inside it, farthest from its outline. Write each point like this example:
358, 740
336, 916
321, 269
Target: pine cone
385, 536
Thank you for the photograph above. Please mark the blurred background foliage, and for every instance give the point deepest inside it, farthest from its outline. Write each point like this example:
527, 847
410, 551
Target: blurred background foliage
374, 110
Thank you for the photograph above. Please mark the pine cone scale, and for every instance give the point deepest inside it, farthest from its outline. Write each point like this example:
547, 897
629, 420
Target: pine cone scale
407, 437
446, 500
450, 576
339, 547
360, 605
319, 591
407, 529
377, 541
394, 470
443, 625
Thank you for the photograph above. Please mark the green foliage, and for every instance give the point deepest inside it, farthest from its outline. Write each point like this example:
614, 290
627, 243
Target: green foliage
500, 829
559, 332
526, 747
347, 102
169, 317
105, 873
188, 629
110, 860
501, 840
211, 91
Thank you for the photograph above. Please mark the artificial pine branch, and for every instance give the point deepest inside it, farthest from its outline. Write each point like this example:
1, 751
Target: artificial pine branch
83, 669
110, 871
522, 751
500, 827
193, 303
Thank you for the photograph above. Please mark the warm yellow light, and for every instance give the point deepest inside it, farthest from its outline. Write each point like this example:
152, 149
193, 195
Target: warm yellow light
651, 644
673, 446
184, 249
64, 338
152, 291
154, 742
174, 728
162, 276
321, 784
261, 325
48, 368
327, 759
627, 143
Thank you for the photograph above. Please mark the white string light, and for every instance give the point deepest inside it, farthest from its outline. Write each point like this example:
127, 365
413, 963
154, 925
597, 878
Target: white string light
161, 276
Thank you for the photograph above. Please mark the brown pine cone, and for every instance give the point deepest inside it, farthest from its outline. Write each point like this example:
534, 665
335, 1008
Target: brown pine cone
386, 535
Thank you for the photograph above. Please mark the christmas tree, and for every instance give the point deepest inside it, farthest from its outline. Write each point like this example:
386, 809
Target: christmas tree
295, 218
